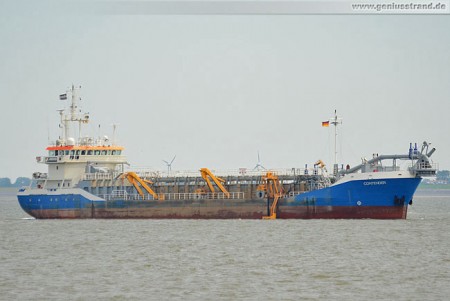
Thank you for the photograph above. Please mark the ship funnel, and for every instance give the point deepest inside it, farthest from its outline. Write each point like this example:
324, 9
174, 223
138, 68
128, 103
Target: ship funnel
431, 152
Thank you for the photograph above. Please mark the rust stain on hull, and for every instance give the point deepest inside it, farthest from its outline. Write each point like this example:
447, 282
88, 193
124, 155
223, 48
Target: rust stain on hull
341, 212
255, 211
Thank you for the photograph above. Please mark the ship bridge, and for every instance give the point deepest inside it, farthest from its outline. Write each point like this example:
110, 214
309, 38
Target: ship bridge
79, 153
69, 158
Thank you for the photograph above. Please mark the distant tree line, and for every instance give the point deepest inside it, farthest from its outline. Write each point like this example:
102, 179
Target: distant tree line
443, 176
21, 181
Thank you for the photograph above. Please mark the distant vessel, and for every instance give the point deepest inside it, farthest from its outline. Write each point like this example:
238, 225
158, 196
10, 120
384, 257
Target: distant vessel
86, 178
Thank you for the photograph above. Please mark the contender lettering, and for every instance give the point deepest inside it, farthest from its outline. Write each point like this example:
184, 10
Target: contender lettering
374, 183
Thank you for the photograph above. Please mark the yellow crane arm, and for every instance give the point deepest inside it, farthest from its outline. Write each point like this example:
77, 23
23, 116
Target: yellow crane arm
136, 186
273, 208
132, 177
208, 182
274, 190
321, 165
206, 174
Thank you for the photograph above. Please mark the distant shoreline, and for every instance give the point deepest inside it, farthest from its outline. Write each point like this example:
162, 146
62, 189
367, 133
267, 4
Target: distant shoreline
434, 186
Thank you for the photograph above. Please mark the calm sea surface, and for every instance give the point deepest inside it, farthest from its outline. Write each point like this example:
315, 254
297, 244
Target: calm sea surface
227, 260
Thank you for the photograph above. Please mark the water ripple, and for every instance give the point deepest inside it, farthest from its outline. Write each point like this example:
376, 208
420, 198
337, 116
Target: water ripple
226, 260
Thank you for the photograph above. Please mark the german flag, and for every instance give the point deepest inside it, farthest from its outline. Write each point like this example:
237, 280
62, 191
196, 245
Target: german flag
325, 123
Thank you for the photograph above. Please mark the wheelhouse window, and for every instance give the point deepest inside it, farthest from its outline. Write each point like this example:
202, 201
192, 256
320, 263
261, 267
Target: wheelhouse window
51, 153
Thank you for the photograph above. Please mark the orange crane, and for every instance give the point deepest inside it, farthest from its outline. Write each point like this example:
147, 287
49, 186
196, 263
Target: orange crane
321, 165
206, 174
134, 179
271, 185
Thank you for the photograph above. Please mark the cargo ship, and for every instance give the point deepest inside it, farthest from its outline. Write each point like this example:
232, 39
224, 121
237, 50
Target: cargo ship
88, 177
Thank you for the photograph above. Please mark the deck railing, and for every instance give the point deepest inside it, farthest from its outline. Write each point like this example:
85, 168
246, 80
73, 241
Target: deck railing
146, 174
123, 195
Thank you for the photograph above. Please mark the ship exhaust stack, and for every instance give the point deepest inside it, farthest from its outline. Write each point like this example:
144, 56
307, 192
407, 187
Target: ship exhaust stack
431, 152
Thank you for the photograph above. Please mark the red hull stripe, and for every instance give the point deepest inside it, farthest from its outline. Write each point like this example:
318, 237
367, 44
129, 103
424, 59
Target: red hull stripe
284, 212
84, 147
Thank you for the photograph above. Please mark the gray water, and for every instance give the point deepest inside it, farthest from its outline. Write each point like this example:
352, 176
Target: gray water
227, 260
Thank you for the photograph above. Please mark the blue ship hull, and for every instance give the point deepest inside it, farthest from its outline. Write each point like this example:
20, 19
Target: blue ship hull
385, 198
379, 192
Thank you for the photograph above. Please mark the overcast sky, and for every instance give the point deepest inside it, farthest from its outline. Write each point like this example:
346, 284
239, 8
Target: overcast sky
216, 89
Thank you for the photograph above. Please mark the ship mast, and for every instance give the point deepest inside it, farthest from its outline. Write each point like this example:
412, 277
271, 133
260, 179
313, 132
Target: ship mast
73, 115
62, 125
335, 121
67, 118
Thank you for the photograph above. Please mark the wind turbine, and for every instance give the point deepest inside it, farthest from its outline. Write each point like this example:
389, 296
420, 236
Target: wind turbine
258, 166
169, 165
114, 125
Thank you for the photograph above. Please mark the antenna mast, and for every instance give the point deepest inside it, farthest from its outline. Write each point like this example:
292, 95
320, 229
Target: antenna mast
73, 115
335, 121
